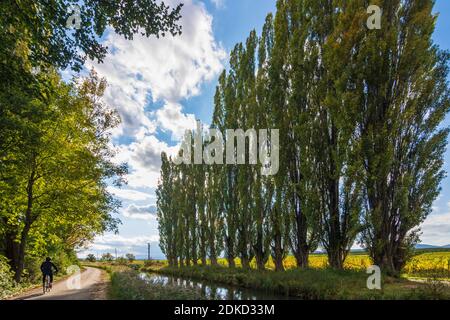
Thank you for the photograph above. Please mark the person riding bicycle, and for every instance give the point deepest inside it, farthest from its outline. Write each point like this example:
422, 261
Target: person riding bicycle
47, 270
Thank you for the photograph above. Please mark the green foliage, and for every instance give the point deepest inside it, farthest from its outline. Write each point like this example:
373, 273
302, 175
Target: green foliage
7, 284
155, 263
121, 261
107, 257
91, 258
43, 25
54, 180
406, 98
55, 155
361, 146
130, 257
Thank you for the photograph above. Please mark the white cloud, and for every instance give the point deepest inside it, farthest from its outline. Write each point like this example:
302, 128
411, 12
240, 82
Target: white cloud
170, 117
144, 159
128, 194
118, 240
167, 69
150, 70
140, 212
436, 229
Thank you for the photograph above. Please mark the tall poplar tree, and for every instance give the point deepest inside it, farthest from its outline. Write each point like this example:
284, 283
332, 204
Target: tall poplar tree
405, 97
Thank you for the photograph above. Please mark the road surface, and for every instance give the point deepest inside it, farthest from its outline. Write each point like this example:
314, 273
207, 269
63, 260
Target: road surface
93, 286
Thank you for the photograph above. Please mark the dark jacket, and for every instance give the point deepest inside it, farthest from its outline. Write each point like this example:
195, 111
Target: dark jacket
47, 267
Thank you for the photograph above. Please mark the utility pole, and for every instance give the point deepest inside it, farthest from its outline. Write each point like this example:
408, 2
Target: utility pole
115, 250
149, 251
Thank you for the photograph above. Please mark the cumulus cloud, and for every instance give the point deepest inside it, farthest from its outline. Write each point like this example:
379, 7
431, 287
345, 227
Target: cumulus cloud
436, 229
118, 240
140, 212
150, 71
167, 69
144, 159
171, 118
129, 194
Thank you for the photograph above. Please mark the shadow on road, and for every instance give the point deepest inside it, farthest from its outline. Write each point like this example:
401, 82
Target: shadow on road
31, 296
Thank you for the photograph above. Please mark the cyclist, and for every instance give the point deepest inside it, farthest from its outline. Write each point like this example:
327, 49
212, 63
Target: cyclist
47, 270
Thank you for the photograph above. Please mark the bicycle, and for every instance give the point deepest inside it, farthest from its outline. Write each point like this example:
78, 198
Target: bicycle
46, 287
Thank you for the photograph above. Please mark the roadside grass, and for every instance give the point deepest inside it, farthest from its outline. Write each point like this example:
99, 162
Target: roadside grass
311, 284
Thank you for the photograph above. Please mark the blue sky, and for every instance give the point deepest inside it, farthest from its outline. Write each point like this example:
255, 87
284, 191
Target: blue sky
160, 87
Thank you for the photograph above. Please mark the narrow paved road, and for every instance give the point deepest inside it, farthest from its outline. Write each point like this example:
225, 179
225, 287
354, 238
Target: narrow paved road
93, 287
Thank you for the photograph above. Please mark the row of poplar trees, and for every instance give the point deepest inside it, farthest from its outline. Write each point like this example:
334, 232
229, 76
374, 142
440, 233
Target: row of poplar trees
359, 113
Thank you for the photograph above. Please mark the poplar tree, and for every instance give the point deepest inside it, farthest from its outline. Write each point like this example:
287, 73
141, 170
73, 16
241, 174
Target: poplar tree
166, 213
303, 192
263, 189
404, 99
361, 143
277, 108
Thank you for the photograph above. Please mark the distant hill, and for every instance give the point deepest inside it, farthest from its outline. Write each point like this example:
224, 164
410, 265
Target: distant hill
432, 247
427, 246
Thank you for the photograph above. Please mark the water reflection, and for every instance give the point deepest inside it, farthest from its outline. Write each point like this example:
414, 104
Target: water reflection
210, 290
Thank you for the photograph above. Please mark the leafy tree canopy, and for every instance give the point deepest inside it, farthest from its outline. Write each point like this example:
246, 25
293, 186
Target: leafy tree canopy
44, 24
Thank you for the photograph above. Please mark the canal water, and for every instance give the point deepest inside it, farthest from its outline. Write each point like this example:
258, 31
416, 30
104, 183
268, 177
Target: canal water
212, 291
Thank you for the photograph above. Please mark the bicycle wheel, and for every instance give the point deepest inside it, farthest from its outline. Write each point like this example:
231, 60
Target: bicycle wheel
44, 289
46, 285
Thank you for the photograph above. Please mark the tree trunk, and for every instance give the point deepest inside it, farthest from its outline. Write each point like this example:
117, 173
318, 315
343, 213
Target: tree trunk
214, 260
12, 250
335, 249
301, 258
260, 264
259, 253
278, 254
194, 250
245, 262
26, 229
212, 253
258, 247
335, 259
301, 251
230, 255
231, 262
386, 261
21, 253
278, 260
